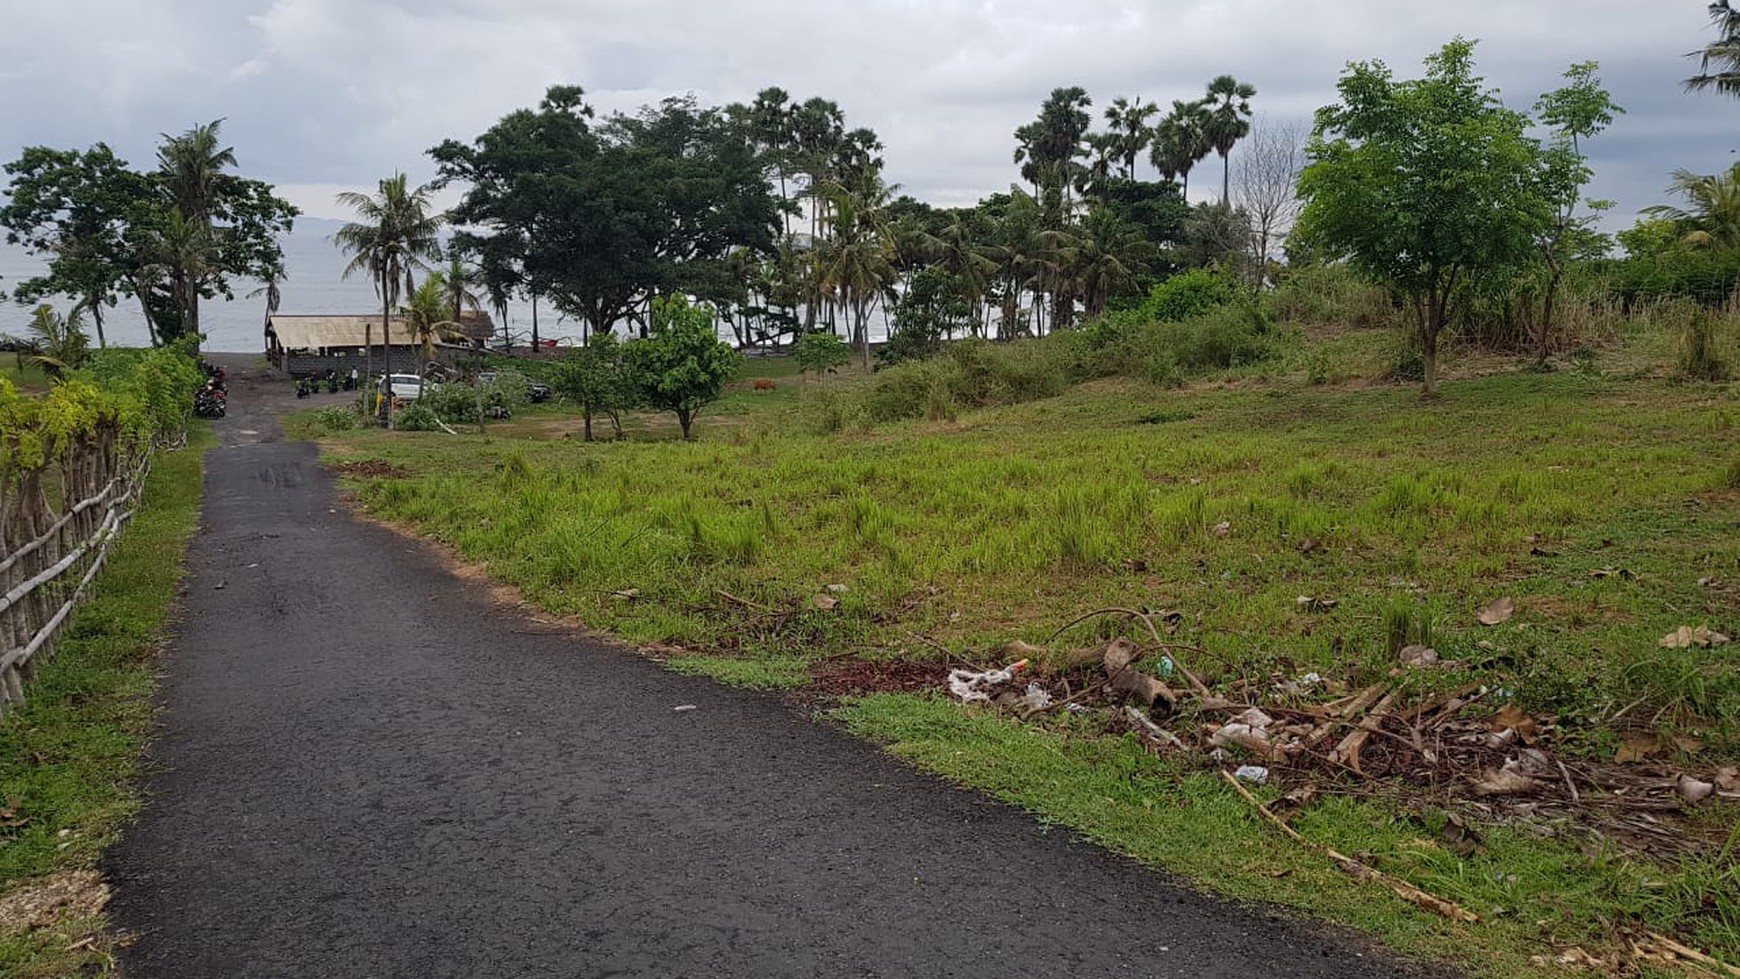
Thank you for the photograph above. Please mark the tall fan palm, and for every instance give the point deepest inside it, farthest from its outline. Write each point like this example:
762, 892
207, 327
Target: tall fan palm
1229, 120
1129, 126
395, 236
1723, 53
1181, 140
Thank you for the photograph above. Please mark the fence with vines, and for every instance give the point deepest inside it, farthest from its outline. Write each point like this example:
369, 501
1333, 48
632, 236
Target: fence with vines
73, 465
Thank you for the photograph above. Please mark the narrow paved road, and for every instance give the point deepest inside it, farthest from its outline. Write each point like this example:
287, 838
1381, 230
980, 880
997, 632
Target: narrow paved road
368, 770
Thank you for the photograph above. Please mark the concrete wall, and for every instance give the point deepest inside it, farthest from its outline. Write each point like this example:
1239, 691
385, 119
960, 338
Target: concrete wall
404, 360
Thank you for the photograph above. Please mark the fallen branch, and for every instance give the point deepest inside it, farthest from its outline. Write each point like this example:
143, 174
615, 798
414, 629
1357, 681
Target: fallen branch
1403, 889
743, 601
1693, 955
1347, 752
1201, 690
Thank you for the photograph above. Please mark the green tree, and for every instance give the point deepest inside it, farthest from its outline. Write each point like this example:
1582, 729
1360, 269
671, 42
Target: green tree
1575, 112
169, 238
1711, 217
1049, 148
1130, 131
428, 313
1229, 120
1723, 54
855, 263
1180, 142
1422, 185
395, 235
820, 352
681, 367
59, 342
596, 377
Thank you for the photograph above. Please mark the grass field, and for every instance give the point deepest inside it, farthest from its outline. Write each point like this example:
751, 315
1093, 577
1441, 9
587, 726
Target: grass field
24, 376
1605, 503
70, 757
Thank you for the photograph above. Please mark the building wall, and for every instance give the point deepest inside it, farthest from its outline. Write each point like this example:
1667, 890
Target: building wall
404, 360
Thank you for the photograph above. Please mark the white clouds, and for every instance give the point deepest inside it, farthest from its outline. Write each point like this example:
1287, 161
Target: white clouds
340, 92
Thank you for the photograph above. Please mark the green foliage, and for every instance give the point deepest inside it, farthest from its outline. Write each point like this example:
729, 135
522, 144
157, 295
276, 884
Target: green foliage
1700, 358
170, 237
1423, 185
336, 418
455, 404
417, 417
70, 758
682, 367
1312, 294
597, 377
1187, 294
59, 342
932, 305
821, 352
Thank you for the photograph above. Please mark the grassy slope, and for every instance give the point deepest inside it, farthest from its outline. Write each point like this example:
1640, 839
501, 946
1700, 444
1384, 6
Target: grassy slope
1010, 522
68, 760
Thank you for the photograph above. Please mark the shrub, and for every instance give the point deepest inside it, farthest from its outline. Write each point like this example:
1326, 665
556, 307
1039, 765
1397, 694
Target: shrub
336, 418
1699, 358
454, 403
417, 417
1186, 295
1330, 295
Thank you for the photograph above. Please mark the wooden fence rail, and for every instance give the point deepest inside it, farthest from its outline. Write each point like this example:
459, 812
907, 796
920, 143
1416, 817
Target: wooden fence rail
58, 522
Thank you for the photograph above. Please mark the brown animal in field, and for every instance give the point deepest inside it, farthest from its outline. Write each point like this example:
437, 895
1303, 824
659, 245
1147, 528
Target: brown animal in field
762, 384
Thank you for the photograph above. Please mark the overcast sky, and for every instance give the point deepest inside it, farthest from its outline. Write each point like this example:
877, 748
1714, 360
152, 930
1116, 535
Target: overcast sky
322, 95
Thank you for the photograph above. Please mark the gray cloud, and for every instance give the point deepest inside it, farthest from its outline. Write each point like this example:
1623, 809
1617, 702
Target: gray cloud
321, 94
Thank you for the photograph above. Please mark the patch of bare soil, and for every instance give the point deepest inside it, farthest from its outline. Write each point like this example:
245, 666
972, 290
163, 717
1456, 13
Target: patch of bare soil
40, 904
845, 678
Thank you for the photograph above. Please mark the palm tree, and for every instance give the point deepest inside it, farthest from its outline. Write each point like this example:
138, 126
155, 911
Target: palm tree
1712, 216
1129, 127
1229, 115
60, 343
428, 313
1724, 53
1104, 257
856, 262
1181, 140
190, 168
269, 287
395, 236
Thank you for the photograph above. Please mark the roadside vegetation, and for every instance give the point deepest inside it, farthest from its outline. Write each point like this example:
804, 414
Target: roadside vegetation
69, 757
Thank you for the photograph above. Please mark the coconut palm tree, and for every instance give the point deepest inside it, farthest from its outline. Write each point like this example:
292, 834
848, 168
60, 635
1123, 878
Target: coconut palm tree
190, 168
395, 235
857, 262
59, 342
1722, 53
428, 313
1129, 127
269, 288
1180, 141
1229, 120
1711, 218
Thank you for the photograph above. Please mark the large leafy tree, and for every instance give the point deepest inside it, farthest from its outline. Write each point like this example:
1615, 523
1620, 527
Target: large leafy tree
169, 237
1719, 61
600, 217
1229, 120
1423, 185
74, 209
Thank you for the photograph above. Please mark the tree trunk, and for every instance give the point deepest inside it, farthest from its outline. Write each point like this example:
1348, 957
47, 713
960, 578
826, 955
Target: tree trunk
387, 342
97, 318
1544, 335
534, 323
685, 418
586, 416
1225, 179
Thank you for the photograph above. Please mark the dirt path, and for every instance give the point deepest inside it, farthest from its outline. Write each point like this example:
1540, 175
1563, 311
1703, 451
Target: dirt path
369, 770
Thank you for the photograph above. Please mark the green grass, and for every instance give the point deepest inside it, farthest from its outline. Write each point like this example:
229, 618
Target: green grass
24, 376
1003, 524
69, 758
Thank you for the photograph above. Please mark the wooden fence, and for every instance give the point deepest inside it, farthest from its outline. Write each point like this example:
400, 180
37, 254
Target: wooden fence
58, 522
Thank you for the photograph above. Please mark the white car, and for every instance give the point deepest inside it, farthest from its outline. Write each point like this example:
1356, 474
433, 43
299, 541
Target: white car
406, 387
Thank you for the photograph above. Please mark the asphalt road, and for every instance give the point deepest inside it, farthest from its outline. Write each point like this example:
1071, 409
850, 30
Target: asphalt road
367, 769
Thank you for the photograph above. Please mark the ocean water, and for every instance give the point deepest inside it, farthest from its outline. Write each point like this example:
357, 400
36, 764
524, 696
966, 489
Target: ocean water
316, 285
